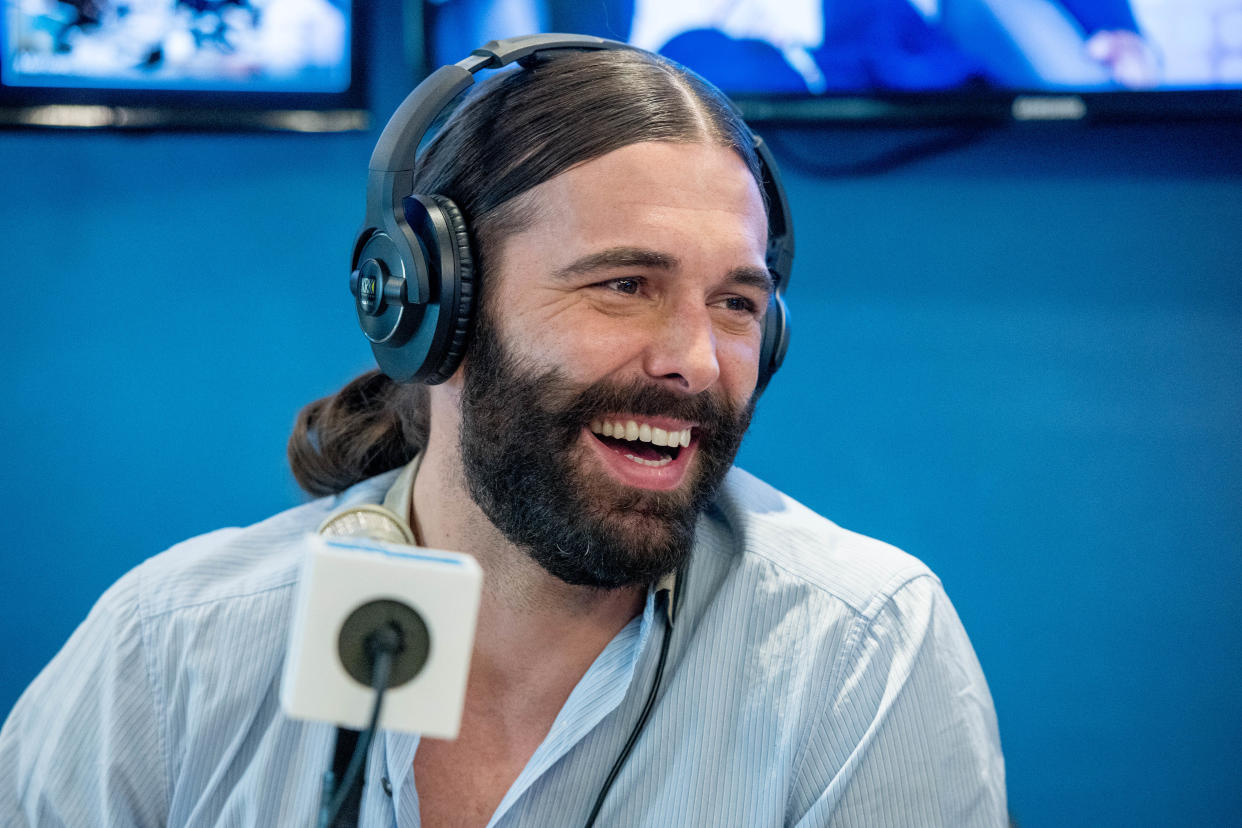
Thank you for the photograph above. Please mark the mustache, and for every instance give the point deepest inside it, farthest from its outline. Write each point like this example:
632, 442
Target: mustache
546, 398
644, 399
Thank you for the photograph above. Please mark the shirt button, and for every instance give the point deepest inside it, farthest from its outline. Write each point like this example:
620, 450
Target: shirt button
387, 786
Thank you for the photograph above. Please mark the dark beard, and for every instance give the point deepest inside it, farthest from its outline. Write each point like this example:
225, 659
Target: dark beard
524, 467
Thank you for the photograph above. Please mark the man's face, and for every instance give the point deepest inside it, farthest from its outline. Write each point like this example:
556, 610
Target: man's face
610, 378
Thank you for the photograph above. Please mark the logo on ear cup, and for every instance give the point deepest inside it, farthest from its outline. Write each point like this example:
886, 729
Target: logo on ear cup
370, 287
381, 289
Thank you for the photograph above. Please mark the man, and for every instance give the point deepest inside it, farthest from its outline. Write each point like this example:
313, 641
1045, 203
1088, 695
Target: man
582, 454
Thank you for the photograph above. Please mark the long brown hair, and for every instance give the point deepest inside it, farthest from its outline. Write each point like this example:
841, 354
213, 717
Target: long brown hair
516, 130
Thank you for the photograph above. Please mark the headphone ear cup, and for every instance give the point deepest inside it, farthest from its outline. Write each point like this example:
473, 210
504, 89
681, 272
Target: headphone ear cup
413, 287
775, 341
457, 300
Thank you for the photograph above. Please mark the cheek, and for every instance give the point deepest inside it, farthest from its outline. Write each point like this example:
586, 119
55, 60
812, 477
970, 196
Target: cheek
589, 353
576, 343
588, 346
739, 364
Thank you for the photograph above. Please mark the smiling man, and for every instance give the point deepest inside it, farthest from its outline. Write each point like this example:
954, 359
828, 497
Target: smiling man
604, 405
662, 640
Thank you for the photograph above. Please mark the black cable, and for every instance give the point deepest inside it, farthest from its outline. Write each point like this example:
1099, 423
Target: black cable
383, 646
679, 591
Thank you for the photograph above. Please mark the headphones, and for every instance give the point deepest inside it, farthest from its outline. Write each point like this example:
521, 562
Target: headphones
412, 271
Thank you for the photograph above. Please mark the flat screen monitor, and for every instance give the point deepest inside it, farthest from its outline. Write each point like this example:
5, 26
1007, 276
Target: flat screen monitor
280, 64
902, 59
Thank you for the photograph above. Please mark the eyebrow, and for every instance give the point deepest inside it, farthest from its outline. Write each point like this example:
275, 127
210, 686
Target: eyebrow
621, 257
615, 257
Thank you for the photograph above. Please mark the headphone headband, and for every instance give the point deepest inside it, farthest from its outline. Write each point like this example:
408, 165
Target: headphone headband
399, 141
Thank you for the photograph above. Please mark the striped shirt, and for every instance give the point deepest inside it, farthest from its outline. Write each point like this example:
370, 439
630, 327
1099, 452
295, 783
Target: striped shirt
815, 678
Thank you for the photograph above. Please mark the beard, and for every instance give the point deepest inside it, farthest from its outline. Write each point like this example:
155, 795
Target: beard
526, 468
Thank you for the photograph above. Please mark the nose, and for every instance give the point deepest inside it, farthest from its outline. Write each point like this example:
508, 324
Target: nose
681, 350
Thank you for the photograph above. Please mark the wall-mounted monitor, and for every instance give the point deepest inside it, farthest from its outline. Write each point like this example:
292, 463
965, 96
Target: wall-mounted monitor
909, 59
198, 64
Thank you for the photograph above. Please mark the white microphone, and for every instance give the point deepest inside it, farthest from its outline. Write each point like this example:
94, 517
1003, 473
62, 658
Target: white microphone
353, 589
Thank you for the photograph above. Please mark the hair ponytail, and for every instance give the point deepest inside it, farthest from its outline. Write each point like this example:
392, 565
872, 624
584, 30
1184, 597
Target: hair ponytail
370, 426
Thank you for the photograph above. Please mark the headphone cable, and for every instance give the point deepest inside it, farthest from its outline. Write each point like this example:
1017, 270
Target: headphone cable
678, 592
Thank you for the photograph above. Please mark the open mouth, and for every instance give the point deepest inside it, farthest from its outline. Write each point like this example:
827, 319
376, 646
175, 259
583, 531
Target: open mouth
641, 442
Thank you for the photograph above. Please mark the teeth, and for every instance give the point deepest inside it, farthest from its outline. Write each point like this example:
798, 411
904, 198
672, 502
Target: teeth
632, 430
664, 461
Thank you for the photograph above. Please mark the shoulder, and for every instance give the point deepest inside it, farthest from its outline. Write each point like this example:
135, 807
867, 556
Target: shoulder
209, 619
877, 658
773, 532
216, 607
172, 665
236, 562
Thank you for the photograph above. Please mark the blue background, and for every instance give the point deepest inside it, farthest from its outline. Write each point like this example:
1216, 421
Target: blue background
1020, 359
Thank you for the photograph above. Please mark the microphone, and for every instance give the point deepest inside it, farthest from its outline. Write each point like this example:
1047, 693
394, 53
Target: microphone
359, 599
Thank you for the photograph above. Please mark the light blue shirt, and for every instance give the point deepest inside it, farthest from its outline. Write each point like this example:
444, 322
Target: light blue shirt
815, 678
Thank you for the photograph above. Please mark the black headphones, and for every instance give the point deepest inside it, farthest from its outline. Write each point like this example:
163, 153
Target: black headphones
412, 271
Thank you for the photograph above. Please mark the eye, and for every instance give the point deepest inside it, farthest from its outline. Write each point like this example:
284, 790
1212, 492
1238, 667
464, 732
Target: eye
629, 285
740, 306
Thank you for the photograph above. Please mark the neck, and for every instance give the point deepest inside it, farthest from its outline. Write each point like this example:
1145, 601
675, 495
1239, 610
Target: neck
536, 635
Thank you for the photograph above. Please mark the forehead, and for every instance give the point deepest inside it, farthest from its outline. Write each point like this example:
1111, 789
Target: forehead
684, 198
704, 176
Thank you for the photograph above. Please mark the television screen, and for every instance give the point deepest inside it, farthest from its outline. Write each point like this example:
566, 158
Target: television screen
220, 59
819, 57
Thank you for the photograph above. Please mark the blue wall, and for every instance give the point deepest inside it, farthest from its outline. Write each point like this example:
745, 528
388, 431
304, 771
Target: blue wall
1020, 359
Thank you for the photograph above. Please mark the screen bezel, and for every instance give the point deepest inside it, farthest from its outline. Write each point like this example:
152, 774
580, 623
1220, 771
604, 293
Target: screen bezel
109, 107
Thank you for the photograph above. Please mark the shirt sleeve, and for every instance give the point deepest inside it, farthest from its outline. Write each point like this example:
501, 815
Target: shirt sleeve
1097, 15
907, 734
83, 744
